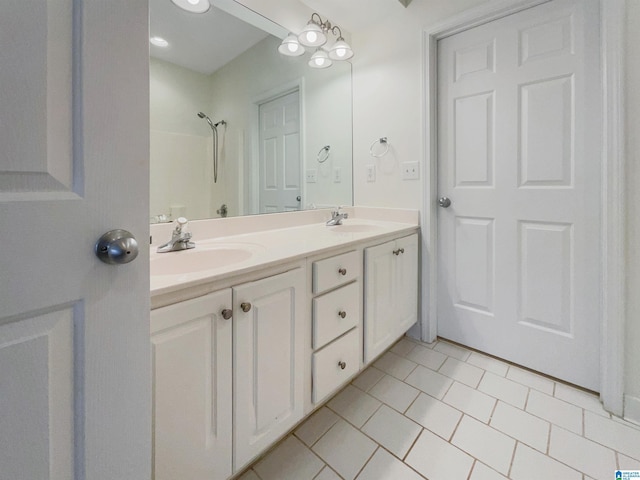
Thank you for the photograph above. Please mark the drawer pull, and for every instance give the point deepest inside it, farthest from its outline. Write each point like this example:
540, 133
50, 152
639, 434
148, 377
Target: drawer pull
342, 365
227, 313
398, 251
342, 314
245, 306
342, 271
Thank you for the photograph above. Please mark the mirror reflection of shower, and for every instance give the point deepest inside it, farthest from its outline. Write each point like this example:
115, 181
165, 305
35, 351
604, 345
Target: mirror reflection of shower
214, 130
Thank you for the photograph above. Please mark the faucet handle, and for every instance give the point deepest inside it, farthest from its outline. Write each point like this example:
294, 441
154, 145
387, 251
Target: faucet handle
180, 223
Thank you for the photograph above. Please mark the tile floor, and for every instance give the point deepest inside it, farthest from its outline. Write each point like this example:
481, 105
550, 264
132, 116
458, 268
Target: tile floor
439, 412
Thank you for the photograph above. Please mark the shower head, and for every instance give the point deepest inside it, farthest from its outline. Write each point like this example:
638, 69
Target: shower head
202, 115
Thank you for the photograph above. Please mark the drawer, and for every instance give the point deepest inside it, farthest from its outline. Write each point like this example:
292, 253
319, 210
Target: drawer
334, 271
328, 373
328, 312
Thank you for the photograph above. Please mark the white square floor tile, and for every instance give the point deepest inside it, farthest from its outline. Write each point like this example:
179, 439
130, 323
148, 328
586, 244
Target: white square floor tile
529, 464
368, 378
489, 364
530, 379
452, 350
327, 474
395, 365
437, 459
392, 430
613, 434
589, 457
384, 466
345, 449
555, 411
429, 381
427, 357
403, 347
317, 425
435, 415
522, 426
354, 405
484, 443
290, 460
580, 398
394, 393
504, 389
470, 401
482, 472
462, 372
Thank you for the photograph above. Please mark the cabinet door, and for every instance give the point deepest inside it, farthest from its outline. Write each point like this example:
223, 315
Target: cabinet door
406, 283
379, 315
191, 354
268, 358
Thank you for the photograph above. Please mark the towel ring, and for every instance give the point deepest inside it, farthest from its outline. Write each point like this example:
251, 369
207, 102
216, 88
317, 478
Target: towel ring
323, 154
382, 141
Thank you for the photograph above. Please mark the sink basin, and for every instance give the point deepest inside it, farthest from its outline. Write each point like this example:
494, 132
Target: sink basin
346, 228
197, 260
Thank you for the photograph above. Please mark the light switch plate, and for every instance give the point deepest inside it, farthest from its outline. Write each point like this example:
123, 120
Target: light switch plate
371, 173
337, 175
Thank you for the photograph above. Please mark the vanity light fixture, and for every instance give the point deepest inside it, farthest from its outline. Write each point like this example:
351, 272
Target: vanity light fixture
193, 6
159, 42
291, 47
314, 34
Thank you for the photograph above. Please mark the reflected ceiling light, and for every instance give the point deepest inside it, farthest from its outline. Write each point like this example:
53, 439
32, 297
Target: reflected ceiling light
193, 6
320, 59
314, 34
158, 42
291, 47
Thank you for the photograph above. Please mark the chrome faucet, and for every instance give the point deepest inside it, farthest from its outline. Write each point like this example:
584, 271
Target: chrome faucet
180, 239
337, 217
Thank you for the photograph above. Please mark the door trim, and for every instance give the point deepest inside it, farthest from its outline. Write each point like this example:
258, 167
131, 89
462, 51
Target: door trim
613, 206
252, 164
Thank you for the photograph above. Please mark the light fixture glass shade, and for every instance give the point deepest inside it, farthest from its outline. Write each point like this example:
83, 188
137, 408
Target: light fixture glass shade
291, 47
193, 6
312, 35
320, 59
340, 50
158, 42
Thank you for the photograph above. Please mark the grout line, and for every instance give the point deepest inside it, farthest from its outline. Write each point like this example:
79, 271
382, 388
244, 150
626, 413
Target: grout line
473, 466
368, 460
513, 458
415, 440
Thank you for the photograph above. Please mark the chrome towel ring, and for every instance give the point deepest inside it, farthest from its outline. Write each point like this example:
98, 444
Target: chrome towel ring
381, 141
323, 154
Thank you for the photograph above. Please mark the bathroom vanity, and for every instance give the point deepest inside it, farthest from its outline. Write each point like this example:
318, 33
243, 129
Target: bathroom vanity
258, 326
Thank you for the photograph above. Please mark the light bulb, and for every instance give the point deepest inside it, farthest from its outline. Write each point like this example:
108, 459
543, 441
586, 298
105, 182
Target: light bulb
341, 52
159, 41
292, 47
312, 37
193, 2
319, 61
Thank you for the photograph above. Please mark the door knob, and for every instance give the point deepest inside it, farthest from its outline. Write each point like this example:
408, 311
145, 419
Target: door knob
444, 202
117, 247
298, 198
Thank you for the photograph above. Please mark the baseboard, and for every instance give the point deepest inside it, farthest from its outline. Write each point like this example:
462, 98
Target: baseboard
632, 409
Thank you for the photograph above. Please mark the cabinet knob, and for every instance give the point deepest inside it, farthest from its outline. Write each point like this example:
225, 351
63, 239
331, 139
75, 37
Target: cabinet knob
402, 250
342, 271
342, 365
342, 314
227, 313
396, 252
245, 306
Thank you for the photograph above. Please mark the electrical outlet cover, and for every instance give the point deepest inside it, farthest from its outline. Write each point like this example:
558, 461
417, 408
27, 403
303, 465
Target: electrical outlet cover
410, 170
312, 175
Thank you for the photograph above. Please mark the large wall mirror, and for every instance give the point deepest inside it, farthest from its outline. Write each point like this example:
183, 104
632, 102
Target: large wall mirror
236, 127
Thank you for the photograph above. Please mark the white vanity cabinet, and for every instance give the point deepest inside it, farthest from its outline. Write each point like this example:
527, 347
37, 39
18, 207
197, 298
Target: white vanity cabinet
192, 388
269, 338
336, 322
391, 293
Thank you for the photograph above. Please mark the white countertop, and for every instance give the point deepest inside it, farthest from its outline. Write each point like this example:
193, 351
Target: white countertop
270, 247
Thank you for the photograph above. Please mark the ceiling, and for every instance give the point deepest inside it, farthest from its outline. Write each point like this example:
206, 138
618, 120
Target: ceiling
200, 42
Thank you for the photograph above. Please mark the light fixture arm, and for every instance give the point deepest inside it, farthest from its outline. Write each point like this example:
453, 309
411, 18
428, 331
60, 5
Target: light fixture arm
339, 34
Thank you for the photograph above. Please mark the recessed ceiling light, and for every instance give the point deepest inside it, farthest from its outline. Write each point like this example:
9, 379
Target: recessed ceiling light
159, 41
193, 6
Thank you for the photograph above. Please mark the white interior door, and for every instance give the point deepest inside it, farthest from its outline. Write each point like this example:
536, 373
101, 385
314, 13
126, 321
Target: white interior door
74, 332
519, 154
280, 166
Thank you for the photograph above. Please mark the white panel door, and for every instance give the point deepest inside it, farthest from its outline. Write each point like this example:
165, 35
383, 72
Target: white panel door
268, 361
192, 385
74, 332
280, 161
519, 153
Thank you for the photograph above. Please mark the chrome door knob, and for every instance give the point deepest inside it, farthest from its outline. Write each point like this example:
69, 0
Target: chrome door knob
117, 247
444, 202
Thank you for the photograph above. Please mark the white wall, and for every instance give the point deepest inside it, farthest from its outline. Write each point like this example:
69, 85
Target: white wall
632, 384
